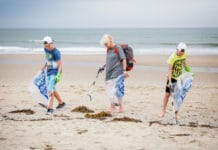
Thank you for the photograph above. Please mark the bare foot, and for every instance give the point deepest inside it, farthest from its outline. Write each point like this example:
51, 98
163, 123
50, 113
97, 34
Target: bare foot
120, 110
111, 109
178, 116
161, 115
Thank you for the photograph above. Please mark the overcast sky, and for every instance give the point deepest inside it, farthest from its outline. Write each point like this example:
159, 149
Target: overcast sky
108, 13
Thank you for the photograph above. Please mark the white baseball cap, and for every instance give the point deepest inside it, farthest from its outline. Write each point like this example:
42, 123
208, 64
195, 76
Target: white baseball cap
181, 46
47, 39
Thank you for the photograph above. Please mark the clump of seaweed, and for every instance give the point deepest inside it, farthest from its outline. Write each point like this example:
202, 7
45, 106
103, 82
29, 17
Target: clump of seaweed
101, 116
26, 111
127, 119
82, 109
48, 147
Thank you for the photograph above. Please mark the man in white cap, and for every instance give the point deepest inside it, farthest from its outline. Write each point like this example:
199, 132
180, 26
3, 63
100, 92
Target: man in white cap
53, 65
176, 62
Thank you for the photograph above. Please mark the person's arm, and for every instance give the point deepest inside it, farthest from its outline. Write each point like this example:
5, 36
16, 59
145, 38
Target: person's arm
169, 75
186, 67
103, 66
124, 64
59, 66
58, 76
124, 68
100, 69
43, 67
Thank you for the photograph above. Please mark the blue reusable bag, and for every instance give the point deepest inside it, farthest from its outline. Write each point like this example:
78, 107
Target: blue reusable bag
119, 86
40, 83
183, 85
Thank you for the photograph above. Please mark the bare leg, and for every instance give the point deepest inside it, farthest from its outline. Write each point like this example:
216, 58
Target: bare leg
111, 109
165, 101
57, 96
177, 115
120, 106
120, 109
51, 99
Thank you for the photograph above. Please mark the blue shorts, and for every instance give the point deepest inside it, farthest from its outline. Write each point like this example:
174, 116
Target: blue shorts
51, 83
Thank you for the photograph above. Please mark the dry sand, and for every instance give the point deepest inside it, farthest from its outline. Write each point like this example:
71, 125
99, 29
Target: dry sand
198, 127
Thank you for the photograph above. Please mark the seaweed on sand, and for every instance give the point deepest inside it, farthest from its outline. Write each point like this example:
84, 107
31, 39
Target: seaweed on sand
127, 119
101, 116
26, 111
82, 109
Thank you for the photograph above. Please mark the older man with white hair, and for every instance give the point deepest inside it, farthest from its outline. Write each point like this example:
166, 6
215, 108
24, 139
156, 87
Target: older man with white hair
115, 72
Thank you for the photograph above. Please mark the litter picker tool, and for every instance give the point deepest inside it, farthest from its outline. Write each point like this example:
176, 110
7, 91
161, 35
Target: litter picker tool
93, 83
179, 90
172, 88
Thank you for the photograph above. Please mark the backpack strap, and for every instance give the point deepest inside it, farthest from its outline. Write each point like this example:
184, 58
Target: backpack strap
115, 49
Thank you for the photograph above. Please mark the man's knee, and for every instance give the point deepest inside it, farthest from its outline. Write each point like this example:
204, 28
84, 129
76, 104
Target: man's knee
51, 94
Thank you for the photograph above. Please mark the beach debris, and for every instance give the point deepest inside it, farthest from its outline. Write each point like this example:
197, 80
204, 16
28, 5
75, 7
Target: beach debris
193, 124
26, 111
150, 123
42, 105
61, 115
189, 124
101, 116
182, 134
127, 119
48, 147
31, 147
82, 131
82, 109
3, 139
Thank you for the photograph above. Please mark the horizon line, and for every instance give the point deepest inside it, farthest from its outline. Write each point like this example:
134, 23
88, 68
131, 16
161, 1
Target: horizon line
106, 27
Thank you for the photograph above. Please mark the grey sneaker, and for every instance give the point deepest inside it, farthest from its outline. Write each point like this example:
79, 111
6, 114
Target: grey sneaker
49, 111
60, 105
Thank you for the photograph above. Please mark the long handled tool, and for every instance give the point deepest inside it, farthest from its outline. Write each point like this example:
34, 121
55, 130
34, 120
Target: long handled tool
174, 112
173, 106
93, 83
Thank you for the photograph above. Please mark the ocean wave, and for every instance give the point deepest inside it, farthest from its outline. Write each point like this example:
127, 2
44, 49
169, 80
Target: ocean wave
194, 44
100, 50
64, 50
34, 41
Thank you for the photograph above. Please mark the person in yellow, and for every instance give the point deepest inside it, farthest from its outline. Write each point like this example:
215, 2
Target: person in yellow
176, 62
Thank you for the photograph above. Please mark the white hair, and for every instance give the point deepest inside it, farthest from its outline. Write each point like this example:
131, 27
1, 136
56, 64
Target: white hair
106, 38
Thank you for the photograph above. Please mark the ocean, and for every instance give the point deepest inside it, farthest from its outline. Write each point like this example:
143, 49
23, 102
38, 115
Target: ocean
163, 41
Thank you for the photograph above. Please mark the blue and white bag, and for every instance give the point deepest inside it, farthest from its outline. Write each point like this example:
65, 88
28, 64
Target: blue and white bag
39, 89
119, 87
181, 88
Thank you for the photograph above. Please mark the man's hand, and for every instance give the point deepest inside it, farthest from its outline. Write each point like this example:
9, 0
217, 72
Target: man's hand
100, 69
188, 69
125, 74
170, 85
58, 77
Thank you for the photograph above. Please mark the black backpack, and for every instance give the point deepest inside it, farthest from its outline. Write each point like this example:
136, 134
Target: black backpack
128, 51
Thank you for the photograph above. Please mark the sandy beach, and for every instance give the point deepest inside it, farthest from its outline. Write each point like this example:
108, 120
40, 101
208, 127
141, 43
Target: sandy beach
145, 88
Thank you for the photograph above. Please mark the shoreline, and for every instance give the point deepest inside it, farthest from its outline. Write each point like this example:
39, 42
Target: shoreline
147, 60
